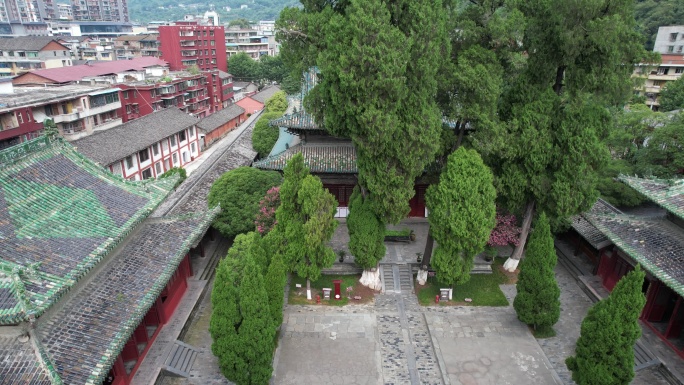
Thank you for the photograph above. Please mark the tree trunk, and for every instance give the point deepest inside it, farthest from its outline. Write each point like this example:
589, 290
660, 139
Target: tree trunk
512, 262
371, 279
308, 289
461, 131
427, 255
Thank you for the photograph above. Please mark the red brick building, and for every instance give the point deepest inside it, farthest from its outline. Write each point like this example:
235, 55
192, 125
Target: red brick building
200, 95
189, 43
216, 126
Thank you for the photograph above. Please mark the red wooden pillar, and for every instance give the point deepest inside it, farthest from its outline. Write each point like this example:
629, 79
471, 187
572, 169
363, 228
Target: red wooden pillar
650, 299
674, 327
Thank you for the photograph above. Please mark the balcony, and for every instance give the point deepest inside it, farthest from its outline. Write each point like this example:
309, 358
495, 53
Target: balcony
67, 118
188, 53
107, 125
187, 43
101, 109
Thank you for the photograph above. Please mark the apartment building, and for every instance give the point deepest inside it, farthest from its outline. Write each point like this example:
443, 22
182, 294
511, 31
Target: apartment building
26, 53
130, 46
189, 43
78, 110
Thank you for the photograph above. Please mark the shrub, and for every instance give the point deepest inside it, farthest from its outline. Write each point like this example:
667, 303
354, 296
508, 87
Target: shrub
265, 136
239, 192
183, 175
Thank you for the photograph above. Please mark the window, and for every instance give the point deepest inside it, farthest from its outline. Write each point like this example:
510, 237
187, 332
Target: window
679, 49
205, 42
129, 161
165, 146
175, 158
20, 117
64, 53
11, 53
185, 157
167, 164
158, 168
658, 83
212, 43
155, 149
679, 70
144, 155
191, 130
663, 70
48, 110
173, 140
125, 95
204, 33
147, 173
211, 33
181, 136
670, 48
673, 36
192, 147
128, 108
213, 52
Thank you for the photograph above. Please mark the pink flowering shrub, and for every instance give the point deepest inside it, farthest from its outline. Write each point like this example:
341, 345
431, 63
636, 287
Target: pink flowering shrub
505, 232
265, 218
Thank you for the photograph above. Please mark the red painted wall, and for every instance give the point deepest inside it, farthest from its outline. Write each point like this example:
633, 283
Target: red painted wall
170, 46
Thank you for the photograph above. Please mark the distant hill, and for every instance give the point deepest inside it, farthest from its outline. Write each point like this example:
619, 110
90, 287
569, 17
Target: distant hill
144, 11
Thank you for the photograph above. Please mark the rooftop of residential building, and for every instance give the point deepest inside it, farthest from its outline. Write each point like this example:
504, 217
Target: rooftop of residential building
38, 95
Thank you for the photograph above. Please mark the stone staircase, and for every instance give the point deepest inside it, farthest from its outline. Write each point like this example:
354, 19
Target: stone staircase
397, 278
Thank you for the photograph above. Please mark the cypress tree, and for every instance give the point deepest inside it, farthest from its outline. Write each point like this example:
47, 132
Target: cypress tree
276, 279
604, 354
226, 318
256, 332
366, 232
462, 214
537, 302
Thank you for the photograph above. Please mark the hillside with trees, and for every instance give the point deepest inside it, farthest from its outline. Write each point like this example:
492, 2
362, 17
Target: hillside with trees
144, 11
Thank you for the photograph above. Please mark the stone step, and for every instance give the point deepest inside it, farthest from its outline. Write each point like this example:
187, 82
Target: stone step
180, 359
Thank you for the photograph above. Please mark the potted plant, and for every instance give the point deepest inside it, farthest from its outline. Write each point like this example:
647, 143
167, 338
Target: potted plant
341, 254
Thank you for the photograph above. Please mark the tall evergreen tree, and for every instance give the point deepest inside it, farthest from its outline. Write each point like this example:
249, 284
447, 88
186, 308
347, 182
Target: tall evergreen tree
305, 222
366, 238
547, 151
240, 311
256, 331
605, 349
462, 214
538, 300
276, 278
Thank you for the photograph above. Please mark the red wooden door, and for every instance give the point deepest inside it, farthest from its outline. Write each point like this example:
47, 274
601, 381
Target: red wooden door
417, 203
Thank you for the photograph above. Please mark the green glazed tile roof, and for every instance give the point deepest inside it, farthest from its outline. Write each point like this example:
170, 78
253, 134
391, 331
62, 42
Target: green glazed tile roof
669, 194
337, 158
656, 244
588, 231
20, 365
60, 215
300, 120
87, 335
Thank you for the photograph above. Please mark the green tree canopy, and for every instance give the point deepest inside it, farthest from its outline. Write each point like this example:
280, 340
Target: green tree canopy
548, 149
651, 14
240, 22
243, 67
462, 214
672, 96
242, 325
605, 349
256, 331
238, 192
277, 103
272, 68
537, 302
378, 64
264, 136
305, 222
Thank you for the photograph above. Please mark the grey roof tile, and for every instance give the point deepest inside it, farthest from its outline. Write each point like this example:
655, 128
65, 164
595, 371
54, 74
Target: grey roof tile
265, 94
26, 43
217, 119
116, 143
